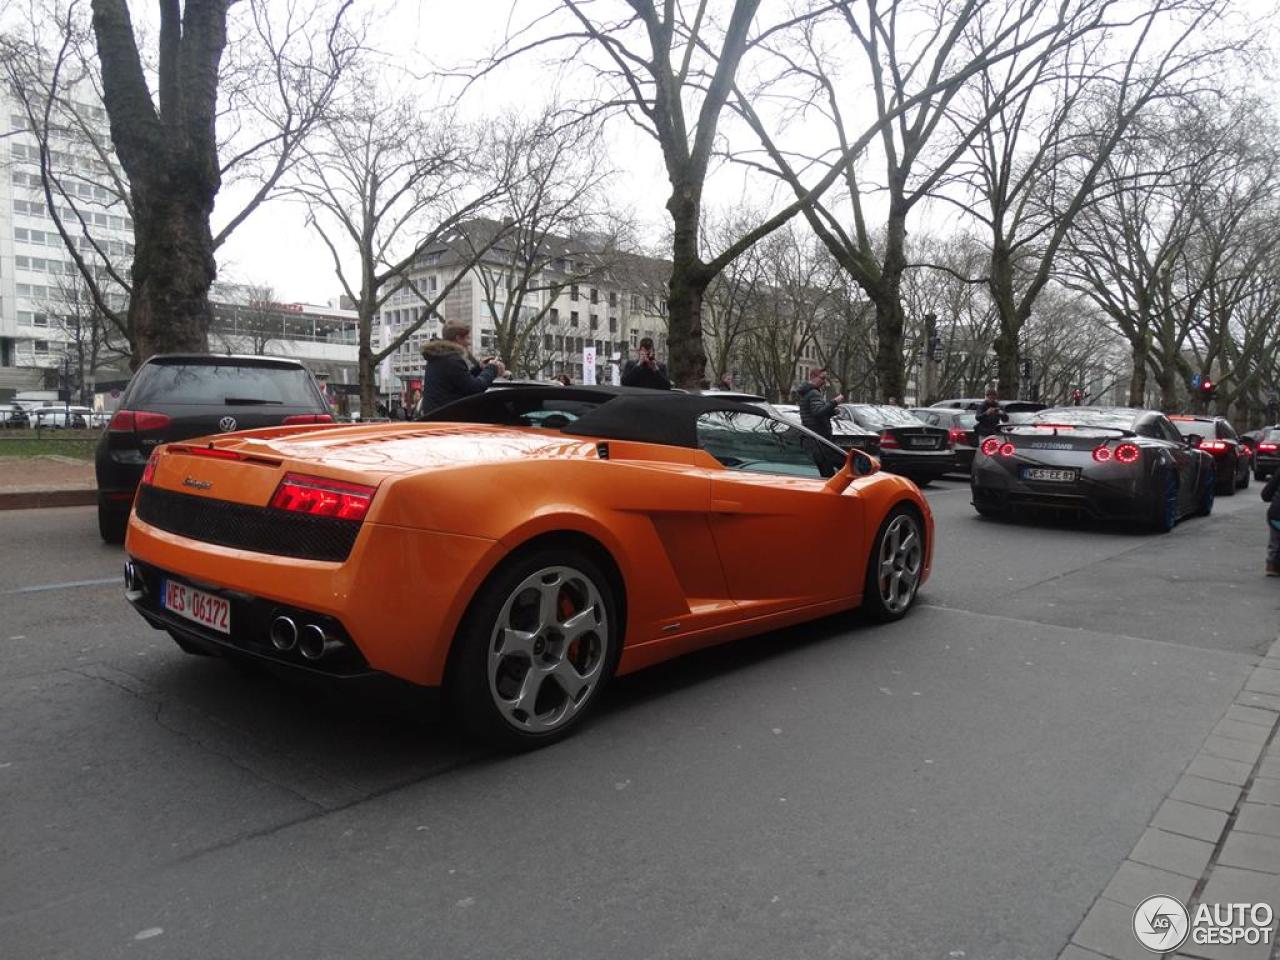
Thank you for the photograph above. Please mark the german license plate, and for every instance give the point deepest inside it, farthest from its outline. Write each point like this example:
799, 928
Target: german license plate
1046, 473
921, 442
196, 606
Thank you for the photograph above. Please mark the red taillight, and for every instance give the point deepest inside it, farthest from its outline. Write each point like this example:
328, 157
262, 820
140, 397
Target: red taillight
128, 421
308, 418
1007, 449
957, 435
1213, 446
1102, 454
990, 446
321, 497
1127, 453
887, 439
1268, 447
149, 471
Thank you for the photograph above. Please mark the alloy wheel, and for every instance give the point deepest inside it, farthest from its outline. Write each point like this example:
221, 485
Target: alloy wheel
901, 558
548, 649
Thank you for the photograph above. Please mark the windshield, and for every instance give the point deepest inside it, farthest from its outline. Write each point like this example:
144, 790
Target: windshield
1200, 428
203, 383
876, 415
1085, 416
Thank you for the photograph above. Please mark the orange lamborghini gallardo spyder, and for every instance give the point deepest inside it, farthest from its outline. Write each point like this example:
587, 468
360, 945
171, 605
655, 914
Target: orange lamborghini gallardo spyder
519, 549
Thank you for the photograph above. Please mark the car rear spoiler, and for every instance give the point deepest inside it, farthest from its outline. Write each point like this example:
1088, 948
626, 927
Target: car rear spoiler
1055, 427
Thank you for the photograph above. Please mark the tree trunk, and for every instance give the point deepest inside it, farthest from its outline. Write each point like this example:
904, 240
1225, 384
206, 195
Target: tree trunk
1007, 373
366, 369
687, 357
1138, 385
173, 268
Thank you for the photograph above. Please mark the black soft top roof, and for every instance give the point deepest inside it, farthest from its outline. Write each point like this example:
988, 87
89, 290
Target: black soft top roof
608, 413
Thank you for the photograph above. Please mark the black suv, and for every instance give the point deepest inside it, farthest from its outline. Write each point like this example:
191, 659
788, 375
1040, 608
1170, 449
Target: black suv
179, 396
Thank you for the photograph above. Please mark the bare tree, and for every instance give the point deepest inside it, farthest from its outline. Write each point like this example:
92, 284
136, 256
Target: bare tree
90, 339
384, 183
916, 78
671, 76
165, 153
248, 318
1045, 146
559, 232
734, 295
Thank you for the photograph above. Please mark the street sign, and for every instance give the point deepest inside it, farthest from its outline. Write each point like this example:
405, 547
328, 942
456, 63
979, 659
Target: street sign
589, 366
1195, 381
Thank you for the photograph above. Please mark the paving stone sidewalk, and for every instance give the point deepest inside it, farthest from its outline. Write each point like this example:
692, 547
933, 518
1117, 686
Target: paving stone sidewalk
1214, 840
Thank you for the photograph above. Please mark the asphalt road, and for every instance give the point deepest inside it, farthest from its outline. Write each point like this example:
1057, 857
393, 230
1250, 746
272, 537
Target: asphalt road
961, 784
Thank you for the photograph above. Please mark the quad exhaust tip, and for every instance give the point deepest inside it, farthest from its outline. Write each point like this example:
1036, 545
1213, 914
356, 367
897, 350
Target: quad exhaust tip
314, 643
284, 634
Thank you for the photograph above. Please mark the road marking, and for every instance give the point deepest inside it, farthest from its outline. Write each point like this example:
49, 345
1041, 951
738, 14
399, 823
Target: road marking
65, 586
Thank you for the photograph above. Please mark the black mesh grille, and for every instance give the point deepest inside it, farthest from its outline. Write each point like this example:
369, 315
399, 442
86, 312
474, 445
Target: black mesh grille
249, 528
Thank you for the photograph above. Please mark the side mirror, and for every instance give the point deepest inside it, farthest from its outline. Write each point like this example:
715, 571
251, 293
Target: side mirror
856, 464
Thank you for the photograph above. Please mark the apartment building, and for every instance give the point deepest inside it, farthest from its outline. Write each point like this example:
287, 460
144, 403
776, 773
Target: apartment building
577, 295
40, 286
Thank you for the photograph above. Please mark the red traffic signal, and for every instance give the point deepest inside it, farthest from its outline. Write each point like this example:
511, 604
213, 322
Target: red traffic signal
1206, 386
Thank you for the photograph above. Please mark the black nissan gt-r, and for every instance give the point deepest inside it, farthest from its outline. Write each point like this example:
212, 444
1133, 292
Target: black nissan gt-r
1108, 462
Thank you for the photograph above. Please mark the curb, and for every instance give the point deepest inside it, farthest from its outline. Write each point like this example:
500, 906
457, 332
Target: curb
30, 499
1215, 838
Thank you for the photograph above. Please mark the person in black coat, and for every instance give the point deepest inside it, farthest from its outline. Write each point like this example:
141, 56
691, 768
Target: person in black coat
990, 416
1273, 523
451, 372
816, 410
645, 370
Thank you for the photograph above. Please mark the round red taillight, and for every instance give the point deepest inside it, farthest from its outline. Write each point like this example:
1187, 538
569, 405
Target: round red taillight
1102, 454
1007, 449
990, 446
1128, 453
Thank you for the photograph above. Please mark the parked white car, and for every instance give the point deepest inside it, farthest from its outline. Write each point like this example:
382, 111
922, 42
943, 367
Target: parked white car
62, 417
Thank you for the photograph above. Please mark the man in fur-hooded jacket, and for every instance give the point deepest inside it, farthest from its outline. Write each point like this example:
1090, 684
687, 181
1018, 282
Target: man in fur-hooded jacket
451, 372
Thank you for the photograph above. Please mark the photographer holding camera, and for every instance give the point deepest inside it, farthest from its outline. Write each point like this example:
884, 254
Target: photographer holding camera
451, 372
645, 370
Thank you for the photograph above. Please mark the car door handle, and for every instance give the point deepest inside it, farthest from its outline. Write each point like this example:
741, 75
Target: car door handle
726, 506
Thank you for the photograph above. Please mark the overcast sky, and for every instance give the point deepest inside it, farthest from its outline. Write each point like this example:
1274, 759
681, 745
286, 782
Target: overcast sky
275, 247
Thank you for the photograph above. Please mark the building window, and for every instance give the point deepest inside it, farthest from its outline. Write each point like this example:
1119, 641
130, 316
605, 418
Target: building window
40, 346
554, 316
573, 318
613, 298
573, 294
595, 295
635, 302
595, 322
613, 324
635, 337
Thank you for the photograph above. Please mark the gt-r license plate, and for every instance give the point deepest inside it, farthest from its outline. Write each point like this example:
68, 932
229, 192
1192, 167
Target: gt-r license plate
196, 606
1051, 475
921, 442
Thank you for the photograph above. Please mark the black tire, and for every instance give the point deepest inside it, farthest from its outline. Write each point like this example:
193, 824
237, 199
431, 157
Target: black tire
881, 602
485, 686
1166, 514
1205, 506
112, 523
1244, 481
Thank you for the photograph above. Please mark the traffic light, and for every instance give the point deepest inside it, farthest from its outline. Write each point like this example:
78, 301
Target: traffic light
1207, 388
1026, 368
1077, 395
935, 348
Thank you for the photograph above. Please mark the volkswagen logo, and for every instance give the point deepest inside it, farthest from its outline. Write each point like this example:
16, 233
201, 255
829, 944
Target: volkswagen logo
227, 424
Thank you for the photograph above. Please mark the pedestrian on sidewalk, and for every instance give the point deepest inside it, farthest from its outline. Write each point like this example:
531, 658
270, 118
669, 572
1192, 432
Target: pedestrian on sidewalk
1269, 494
